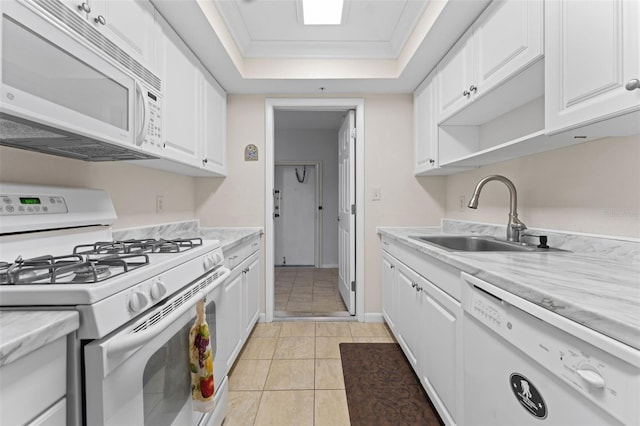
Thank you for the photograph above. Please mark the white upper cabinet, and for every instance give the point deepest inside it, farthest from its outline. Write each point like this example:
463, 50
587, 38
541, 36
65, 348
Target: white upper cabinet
591, 54
130, 24
215, 125
425, 126
181, 100
506, 39
455, 77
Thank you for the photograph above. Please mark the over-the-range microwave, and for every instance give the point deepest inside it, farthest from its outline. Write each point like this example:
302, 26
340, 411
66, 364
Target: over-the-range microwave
68, 90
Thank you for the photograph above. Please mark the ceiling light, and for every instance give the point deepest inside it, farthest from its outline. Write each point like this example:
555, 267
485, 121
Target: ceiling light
322, 12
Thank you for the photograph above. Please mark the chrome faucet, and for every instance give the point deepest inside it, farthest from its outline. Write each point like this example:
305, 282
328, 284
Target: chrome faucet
514, 226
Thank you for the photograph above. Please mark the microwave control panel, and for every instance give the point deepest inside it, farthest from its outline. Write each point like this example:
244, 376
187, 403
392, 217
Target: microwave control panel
154, 123
13, 205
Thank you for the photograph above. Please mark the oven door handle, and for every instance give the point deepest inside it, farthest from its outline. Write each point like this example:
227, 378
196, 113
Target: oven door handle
126, 343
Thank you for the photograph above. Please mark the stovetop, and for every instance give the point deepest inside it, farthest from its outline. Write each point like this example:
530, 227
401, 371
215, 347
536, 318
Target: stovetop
91, 263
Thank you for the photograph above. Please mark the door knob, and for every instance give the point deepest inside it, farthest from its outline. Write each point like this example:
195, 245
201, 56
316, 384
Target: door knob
633, 84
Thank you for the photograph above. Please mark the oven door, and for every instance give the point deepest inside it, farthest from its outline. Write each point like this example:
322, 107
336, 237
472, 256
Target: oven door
140, 373
52, 82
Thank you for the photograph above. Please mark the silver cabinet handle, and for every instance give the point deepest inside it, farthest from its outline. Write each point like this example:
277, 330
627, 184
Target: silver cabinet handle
100, 20
84, 7
633, 84
391, 266
414, 285
466, 93
473, 88
418, 288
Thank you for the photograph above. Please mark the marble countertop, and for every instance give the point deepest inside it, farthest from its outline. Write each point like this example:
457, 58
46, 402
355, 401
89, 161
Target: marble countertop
229, 237
22, 332
602, 294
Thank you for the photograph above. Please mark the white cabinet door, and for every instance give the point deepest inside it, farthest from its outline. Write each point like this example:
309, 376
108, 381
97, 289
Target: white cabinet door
455, 77
182, 81
441, 348
251, 285
425, 125
232, 315
507, 38
591, 54
215, 126
410, 314
129, 24
389, 291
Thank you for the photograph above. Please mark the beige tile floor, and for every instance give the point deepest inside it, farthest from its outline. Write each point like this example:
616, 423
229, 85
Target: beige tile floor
306, 290
290, 373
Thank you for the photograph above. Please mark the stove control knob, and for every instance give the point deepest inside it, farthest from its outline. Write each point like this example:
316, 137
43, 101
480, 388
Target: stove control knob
208, 262
217, 258
158, 289
137, 301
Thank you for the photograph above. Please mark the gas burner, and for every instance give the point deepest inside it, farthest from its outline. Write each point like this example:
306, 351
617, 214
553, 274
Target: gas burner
74, 268
91, 271
39, 269
147, 245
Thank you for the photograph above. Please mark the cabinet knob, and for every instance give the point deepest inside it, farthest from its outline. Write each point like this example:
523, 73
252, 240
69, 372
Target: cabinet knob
633, 84
432, 161
466, 93
84, 7
204, 162
100, 20
473, 88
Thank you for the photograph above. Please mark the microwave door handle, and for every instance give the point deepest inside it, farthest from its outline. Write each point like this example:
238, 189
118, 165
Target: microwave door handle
121, 345
143, 127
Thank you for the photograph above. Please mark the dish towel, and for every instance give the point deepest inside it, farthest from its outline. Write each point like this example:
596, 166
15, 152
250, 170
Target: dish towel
201, 363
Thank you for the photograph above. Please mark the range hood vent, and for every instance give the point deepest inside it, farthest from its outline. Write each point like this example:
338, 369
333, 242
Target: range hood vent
24, 134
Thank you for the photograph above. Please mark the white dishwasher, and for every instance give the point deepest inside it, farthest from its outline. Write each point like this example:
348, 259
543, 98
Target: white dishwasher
525, 365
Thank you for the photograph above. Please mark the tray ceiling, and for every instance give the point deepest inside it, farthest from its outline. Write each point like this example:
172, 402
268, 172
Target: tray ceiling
274, 29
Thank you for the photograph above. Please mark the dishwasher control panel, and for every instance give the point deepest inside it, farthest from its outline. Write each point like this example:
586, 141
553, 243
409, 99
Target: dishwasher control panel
601, 377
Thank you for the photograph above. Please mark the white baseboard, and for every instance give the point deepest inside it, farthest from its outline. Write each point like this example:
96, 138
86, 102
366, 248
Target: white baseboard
373, 317
262, 317
329, 266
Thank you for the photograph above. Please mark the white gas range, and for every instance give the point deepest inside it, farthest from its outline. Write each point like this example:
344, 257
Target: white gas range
134, 298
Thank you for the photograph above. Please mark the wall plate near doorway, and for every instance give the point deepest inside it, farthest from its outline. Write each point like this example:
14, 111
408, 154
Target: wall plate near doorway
251, 153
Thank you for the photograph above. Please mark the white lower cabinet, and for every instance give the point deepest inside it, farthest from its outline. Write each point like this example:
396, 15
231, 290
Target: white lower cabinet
251, 288
231, 314
34, 387
441, 350
427, 323
241, 304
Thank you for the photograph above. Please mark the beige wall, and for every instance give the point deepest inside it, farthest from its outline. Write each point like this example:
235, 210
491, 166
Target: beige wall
133, 188
238, 200
592, 187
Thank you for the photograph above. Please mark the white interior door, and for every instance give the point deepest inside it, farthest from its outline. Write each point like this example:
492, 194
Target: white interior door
346, 212
295, 207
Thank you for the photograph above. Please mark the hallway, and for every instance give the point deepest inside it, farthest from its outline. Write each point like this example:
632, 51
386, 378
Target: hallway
307, 291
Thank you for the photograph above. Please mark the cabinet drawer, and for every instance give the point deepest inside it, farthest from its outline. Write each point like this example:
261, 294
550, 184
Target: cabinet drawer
37, 381
236, 255
447, 277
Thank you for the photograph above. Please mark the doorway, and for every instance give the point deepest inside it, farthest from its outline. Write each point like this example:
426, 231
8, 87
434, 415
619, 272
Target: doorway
272, 227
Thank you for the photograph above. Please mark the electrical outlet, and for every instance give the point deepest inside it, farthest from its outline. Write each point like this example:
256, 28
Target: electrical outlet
375, 193
159, 203
462, 203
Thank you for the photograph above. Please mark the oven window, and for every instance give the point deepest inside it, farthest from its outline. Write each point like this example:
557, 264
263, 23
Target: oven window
167, 377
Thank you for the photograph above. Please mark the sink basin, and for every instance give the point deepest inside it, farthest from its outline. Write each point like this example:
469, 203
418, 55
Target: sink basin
475, 243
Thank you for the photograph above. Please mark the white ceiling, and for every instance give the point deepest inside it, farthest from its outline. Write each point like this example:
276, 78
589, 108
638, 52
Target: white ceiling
259, 46
274, 29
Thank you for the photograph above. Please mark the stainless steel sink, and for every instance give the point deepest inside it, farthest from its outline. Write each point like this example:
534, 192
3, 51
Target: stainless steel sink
476, 243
